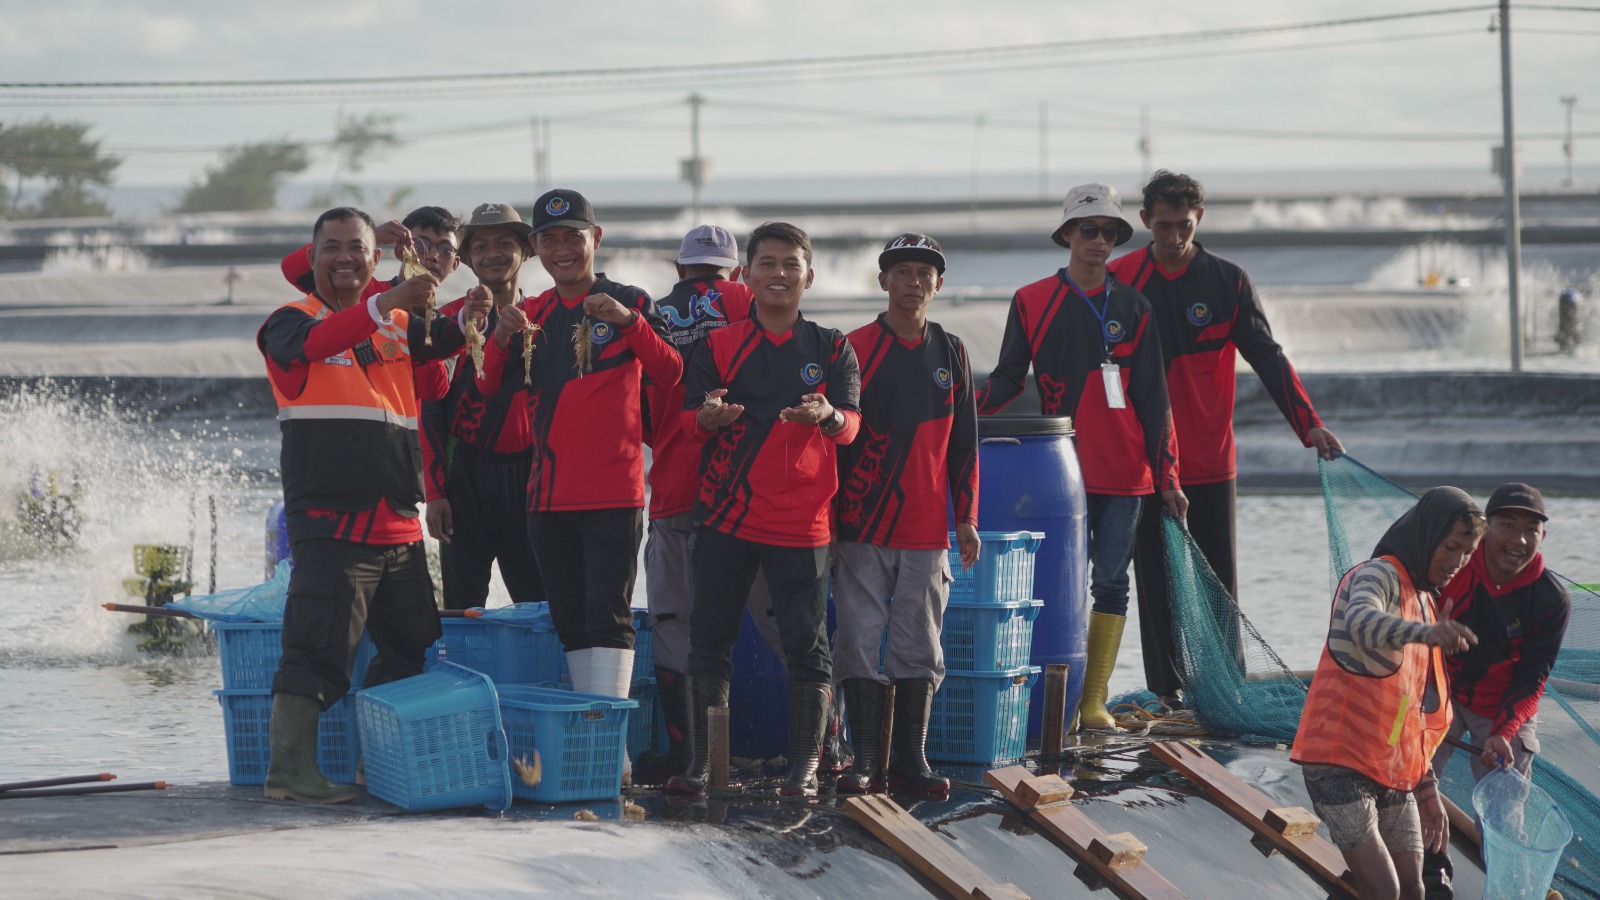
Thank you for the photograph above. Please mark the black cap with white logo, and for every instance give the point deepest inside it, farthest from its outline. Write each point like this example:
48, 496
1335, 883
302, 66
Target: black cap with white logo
911, 247
1518, 496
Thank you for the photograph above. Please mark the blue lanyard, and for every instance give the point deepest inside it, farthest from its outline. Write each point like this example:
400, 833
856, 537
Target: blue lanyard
1099, 314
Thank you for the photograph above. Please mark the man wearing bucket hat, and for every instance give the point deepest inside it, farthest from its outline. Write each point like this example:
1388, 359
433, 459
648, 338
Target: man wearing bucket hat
1519, 611
1097, 358
476, 448
1208, 314
707, 296
593, 341
917, 453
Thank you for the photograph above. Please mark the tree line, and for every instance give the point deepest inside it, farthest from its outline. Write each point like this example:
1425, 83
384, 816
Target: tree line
55, 169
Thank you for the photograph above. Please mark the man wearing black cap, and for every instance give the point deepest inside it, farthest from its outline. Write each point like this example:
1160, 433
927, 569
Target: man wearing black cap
1519, 612
476, 446
593, 341
917, 452
1097, 358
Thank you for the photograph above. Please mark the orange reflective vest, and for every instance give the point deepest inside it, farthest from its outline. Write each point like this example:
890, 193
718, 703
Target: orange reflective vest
1385, 727
350, 436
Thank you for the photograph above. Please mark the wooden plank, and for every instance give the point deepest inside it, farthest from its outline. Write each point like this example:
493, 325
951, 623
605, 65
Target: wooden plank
1043, 790
1118, 850
1077, 832
925, 851
717, 744
1250, 806
1292, 820
1055, 710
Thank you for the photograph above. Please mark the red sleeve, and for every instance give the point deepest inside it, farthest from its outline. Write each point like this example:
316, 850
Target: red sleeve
662, 363
432, 379
290, 339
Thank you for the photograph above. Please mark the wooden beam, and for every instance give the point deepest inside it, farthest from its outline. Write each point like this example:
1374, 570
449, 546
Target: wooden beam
1055, 710
1250, 806
925, 851
1078, 833
1118, 850
1043, 790
1292, 820
717, 742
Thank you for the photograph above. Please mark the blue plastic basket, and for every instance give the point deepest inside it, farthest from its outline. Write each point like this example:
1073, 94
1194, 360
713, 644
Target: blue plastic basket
506, 653
579, 738
250, 651
981, 717
644, 641
246, 720
1004, 570
435, 741
989, 637
646, 730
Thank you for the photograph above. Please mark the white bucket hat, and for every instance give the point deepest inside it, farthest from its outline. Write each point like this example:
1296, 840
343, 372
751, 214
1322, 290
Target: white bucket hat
1088, 200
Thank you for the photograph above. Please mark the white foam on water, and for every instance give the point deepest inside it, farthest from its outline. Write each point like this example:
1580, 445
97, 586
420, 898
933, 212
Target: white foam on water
95, 256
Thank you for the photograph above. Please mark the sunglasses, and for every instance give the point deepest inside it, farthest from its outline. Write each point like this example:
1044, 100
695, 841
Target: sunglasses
1088, 231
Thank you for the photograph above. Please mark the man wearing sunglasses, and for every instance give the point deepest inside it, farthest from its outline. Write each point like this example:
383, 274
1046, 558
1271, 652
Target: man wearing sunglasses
1097, 358
1208, 314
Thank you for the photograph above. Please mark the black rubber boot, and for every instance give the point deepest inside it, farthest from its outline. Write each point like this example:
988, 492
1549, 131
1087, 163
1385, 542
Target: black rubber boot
908, 766
704, 693
837, 754
655, 767
292, 772
808, 710
863, 700
1437, 876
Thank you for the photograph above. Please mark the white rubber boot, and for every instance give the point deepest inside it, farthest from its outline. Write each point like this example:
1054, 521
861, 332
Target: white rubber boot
611, 675
578, 669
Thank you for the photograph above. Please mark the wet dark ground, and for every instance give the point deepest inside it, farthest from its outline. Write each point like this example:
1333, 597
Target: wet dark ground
802, 847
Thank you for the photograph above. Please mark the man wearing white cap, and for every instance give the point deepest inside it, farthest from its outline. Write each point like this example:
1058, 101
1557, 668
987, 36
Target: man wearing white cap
1096, 357
706, 297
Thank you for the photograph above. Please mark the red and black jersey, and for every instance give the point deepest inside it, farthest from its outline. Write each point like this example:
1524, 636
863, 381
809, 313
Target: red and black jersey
586, 431
1204, 312
695, 308
1066, 337
917, 453
494, 423
1519, 627
762, 479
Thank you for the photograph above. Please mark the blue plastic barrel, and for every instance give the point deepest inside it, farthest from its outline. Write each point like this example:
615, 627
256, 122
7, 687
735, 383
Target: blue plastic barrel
277, 544
1029, 480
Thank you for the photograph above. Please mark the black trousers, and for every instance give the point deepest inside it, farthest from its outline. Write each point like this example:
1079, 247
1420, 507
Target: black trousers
797, 577
337, 589
487, 494
589, 559
1211, 523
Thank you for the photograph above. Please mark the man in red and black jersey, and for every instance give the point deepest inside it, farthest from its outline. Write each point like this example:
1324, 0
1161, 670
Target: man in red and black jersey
1096, 357
585, 489
1519, 611
707, 296
340, 364
783, 391
917, 453
476, 447
1207, 312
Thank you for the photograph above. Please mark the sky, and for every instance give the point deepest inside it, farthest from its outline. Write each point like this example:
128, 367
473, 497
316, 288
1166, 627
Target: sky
1270, 102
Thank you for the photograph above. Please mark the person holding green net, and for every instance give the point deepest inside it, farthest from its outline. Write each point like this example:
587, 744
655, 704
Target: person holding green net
1379, 707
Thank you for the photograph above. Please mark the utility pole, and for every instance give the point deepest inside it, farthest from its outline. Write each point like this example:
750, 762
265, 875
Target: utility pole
541, 153
977, 144
1044, 152
1508, 168
1145, 146
1569, 102
696, 169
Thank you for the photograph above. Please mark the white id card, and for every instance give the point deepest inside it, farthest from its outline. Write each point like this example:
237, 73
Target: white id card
1112, 374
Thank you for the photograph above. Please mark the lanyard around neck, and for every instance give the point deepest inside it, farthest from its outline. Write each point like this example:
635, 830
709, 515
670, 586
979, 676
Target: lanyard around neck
1100, 313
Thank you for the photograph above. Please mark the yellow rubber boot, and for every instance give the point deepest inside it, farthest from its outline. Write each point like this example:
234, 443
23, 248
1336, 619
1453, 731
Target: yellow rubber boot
1105, 637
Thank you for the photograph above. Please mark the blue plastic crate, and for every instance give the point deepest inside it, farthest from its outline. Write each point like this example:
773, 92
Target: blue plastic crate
989, 637
435, 741
644, 640
506, 653
250, 651
579, 738
1004, 570
646, 728
246, 720
981, 717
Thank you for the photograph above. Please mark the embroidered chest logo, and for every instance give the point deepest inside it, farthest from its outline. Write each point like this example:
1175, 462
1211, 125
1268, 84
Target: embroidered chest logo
699, 307
941, 377
1113, 331
602, 332
1514, 630
389, 349
1200, 314
811, 373
557, 206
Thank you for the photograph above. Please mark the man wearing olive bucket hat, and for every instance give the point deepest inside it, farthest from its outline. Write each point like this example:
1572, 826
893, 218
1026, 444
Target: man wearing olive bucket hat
1097, 358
